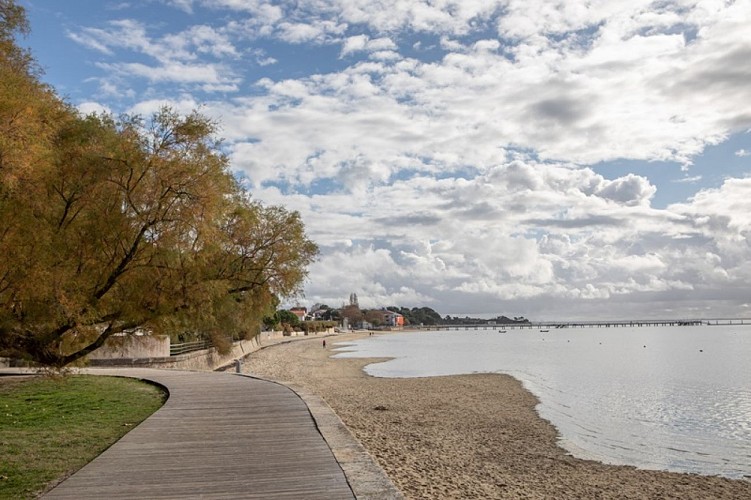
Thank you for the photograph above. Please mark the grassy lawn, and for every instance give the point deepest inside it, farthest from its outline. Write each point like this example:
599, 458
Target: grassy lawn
50, 428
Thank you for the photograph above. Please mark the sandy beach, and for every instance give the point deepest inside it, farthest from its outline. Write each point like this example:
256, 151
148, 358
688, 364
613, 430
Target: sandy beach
468, 436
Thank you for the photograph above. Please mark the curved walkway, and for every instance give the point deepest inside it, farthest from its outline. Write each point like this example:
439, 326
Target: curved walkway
219, 435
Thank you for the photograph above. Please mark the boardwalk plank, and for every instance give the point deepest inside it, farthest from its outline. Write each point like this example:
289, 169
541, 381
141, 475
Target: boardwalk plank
217, 436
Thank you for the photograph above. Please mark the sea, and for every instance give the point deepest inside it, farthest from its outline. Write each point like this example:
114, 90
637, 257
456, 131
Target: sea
674, 398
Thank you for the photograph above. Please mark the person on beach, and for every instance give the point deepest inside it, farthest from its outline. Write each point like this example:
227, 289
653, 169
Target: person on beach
324, 343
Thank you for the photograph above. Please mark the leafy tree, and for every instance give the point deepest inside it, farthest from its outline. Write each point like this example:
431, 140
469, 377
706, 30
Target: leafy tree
374, 317
329, 314
111, 225
352, 314
418, 315
271, 322
282, 319
426, 316
316, 326
288, 317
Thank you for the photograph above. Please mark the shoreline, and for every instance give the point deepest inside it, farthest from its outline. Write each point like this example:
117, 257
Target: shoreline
465, 436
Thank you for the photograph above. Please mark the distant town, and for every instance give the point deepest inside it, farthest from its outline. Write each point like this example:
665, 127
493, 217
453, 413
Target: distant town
350, 315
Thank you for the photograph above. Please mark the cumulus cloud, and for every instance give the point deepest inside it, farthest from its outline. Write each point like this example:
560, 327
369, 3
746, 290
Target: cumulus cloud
688, 180
184, 5
489, 244
361, 43
183, 105
200, 39
583, 104
629, 190
577, 83
90, 107
178, 56
318, 31
463, 180
174, 72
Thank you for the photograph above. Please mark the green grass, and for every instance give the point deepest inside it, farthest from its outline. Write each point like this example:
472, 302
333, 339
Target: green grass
51, 427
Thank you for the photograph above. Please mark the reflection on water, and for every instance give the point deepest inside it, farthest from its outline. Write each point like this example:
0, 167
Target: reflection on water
674, 398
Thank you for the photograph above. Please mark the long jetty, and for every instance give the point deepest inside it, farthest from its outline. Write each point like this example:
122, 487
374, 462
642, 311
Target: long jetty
548, 325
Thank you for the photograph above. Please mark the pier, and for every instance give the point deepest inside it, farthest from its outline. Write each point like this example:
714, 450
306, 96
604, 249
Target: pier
550, 325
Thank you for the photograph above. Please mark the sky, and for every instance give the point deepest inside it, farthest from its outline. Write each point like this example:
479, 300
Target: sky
546, 159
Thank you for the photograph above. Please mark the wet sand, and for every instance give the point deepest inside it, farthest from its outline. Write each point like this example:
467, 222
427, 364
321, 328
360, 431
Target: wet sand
467, 436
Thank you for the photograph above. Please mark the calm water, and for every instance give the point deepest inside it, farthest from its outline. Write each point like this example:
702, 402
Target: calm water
673, 398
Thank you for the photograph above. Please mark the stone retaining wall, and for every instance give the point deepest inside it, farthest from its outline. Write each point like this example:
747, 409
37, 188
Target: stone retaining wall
133, 346
206, 359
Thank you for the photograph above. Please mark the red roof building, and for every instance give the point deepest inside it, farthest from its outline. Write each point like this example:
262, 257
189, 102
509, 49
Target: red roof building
392, 318
300, 312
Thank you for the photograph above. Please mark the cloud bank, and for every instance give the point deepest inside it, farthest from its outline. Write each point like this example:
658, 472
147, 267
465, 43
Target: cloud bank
444, 153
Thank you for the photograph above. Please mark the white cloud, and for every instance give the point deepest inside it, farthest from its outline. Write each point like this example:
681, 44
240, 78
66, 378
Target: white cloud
198, 40
625, 87
183, 105
361, 43
451, 45
688, 180
207, 74
309, 32
90, 107
90, 42
123, 33
178, 56
742, 152
452, 16
461, 181
487, 45
528, 238
630, 190
616, 92
354, 44
184, 5
266, 61
725, 211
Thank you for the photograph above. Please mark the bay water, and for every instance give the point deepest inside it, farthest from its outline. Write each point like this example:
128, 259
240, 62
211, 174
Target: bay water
668, 398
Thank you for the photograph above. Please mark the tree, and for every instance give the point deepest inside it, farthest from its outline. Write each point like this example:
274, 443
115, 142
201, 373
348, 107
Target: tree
111, 225
352, 314
374, 317
29, 110
417, 316
316, 326
331, 315
288, 317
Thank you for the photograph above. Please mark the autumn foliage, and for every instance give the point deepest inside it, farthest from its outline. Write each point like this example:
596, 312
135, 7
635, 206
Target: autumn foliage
109, 225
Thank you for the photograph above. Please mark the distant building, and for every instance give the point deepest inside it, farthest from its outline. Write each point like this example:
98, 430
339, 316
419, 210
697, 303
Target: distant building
300, 312
394, 319
317, 312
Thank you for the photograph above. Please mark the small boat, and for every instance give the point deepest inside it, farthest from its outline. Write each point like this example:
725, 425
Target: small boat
544, 331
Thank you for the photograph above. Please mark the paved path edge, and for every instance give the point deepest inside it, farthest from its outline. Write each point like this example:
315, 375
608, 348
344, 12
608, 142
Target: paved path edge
366, 478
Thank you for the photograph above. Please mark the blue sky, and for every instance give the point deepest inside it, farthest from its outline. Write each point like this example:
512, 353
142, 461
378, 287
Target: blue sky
546, 159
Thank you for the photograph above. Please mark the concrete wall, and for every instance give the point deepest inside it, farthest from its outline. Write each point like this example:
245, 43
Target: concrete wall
207, 359
133, 346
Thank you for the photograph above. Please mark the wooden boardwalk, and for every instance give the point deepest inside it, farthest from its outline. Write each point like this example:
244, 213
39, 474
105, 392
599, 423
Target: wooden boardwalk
218, 436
